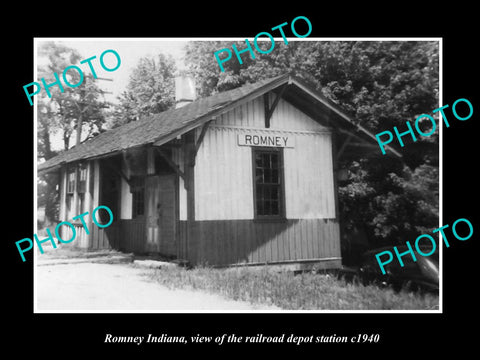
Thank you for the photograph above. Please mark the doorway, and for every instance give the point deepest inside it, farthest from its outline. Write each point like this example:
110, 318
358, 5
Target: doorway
161, 219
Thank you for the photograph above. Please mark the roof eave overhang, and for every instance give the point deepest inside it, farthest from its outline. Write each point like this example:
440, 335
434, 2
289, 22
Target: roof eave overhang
286, 79
338, 113
218, 111
223, 108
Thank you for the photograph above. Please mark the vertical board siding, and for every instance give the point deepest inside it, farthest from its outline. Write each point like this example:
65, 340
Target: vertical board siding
223, 176
80, 240
285, 117
125, 200
125, 194
132, 236
167, 221
223, 171
223, 179
105, 238
178, 158
182, 247
309, 187
245, 241
288, 117
63, 194
82, 236
249, 114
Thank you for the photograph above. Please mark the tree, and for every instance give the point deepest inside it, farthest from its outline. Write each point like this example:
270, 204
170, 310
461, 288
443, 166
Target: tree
203, 66
380, 85
62, 114
150, 90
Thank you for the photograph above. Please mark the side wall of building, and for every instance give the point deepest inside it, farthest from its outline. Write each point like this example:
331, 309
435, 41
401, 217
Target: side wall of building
225, 228
93, 237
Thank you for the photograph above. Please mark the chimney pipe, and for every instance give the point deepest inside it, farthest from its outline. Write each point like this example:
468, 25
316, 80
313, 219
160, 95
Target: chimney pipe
185, 91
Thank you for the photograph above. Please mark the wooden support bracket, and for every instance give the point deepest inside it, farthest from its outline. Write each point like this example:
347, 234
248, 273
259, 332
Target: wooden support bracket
120, 173
171, 163
202, 135
269, 110
350, 137
194, 150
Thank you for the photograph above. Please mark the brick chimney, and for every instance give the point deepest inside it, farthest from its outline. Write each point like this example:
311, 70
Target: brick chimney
185, 91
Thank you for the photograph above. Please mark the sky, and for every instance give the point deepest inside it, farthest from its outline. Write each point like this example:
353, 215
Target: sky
130, 51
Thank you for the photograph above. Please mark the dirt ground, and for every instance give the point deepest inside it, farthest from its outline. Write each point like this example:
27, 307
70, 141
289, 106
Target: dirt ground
78, 283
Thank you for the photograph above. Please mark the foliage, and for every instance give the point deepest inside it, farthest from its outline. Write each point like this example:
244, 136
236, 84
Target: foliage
398, 207
150, 90
59, 114
209, 79
380, 84
415, 196
385, 84
48, 197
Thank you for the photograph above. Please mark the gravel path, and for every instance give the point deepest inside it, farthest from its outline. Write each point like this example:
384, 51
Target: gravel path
118, 287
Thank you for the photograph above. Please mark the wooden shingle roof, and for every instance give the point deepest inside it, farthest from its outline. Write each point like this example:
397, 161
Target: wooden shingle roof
160, 128
156, 127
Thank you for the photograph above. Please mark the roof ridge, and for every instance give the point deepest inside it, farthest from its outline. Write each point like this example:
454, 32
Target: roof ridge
152, 127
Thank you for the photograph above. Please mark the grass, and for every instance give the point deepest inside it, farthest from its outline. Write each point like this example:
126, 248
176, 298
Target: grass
305, 291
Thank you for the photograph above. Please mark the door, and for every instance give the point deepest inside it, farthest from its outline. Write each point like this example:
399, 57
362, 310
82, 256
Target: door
161, 214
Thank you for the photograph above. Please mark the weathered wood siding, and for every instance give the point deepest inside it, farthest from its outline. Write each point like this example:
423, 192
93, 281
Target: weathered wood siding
223, 171
161, 214
62, 211
309, 186
246, 241
288, 117
285, 117
132, 235
106, 238
96, 239
223, 177
224, 230
178, 158
81, 239
126, 195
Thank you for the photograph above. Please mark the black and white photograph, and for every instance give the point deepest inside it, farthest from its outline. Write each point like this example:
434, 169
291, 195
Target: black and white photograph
192, 180
262, 187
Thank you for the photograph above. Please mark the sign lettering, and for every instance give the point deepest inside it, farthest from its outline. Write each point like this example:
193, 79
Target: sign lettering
266, 140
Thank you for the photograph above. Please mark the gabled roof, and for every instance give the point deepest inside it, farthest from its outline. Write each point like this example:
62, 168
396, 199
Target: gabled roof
160, 128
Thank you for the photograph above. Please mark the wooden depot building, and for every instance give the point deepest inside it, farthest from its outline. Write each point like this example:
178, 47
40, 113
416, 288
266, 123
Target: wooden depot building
243, 177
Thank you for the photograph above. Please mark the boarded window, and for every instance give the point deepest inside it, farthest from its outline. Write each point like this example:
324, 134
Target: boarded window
268, 183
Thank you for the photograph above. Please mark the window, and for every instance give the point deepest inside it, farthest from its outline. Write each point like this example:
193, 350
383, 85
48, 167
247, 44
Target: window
70, 189
268, 183
71, 181
138, 197
82, 178
82, 187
